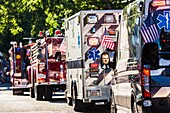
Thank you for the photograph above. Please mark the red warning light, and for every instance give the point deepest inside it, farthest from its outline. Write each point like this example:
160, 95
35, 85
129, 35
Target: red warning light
40, 34
57, 32
93, 65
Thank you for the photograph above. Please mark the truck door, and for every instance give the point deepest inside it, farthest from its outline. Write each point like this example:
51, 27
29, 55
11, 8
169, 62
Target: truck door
79, 76
69, 76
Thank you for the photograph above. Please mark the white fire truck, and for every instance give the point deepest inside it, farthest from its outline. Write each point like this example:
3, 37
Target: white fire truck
89, 34
48, 67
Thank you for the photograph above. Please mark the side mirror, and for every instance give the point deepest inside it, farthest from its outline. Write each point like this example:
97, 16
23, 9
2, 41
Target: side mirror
105, 60
140, 7
138, 21
134, 78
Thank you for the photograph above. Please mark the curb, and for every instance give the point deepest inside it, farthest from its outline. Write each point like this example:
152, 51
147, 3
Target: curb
4, 88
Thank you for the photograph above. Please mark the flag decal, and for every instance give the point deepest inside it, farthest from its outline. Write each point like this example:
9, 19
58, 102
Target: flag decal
107, 41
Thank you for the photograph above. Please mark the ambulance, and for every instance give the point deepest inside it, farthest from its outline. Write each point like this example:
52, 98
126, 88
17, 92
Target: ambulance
90, 35
141, 81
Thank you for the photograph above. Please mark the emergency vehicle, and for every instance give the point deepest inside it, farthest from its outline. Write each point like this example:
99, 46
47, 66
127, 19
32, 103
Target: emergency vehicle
19, 60
48, 67
141, 81
89, 35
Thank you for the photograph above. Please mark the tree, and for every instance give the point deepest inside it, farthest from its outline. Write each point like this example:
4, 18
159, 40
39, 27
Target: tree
25, 18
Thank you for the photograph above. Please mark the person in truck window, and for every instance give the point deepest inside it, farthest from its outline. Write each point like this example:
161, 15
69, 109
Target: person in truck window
150, 54
58, 56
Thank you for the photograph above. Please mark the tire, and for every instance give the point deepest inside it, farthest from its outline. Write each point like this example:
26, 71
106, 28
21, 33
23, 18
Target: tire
32, 93
134, 107
77, 104
39, 91
48, 93
112, 105
69, 101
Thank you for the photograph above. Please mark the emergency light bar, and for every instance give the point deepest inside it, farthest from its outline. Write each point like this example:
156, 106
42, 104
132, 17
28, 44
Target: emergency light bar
112, 32
93, 65
40, 34
92, 41
110, 19
57, 32
92, 19
161, 2
94, 69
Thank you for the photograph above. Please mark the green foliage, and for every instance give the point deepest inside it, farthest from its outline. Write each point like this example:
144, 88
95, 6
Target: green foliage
25, 18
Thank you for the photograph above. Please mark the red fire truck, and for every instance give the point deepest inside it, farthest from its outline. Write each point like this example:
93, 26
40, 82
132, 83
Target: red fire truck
19, 60
48, 67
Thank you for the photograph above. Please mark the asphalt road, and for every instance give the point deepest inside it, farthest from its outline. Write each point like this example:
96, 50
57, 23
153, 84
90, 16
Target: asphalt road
24, 104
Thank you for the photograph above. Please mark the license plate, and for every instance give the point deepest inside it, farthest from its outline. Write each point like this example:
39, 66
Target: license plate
92, 93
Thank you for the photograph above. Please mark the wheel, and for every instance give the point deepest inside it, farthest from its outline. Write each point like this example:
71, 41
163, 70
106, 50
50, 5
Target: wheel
69, 101
39, 91
77, 104
134, 107
48, 93
32, 93
112, 105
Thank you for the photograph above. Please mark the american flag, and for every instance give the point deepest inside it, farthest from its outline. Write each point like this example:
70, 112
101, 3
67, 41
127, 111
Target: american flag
107, 41
148, 30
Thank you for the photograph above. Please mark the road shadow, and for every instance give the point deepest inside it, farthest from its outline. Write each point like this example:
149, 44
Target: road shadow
58, 100
88, 108
5, 86
95, 109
